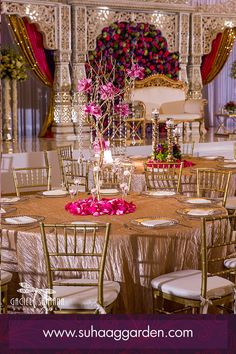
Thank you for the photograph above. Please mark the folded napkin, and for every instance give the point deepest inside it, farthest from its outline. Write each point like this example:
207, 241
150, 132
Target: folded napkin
20, 220
164, 193
2, 211
152, 223
232, 165
201, 212
109, 191
10, 200
198, 201
55, 192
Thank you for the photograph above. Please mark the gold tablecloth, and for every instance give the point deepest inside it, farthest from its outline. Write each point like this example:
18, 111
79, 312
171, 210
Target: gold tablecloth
133, 258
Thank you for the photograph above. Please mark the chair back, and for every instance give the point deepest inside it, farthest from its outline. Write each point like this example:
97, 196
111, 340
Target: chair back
139, 109
77, 252
32, 179
218, 243
213, 183
75, 172
187, 149
167, 176
64, 152
112, 176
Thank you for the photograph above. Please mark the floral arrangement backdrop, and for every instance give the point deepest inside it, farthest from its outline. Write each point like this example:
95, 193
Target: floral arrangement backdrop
124, 43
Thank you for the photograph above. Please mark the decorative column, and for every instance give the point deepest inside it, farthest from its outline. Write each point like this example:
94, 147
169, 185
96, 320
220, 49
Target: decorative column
183, 45
6, 109
63, 125
196, 51
14, 108
79, 50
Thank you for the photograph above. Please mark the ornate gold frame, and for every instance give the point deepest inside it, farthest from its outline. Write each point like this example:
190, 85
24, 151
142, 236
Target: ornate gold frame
161, 80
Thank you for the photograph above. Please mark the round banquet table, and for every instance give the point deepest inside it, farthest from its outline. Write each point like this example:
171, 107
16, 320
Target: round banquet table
134, 256
189, 175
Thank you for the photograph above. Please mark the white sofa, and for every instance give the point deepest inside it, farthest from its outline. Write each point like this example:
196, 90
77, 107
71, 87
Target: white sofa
170, 96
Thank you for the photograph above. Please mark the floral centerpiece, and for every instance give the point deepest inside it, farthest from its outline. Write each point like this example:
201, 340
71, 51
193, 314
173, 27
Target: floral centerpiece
162, 152
104, 97
104, 206
12, 65
230, 106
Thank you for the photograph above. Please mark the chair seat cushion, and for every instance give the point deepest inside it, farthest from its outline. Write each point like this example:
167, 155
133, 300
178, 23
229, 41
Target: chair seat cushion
187, 284
230, 263
5, 277
85, 297
231, 203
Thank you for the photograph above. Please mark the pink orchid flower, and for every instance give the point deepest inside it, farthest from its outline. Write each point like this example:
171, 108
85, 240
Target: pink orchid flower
84, 85
122, 109
108, 91
93, 109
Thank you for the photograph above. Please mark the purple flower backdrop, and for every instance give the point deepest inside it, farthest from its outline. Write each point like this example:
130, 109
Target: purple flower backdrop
125, 42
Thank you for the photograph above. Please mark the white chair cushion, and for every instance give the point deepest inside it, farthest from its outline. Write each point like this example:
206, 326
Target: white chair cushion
5, 277
231, 203
187, 284
183, 116
85, 297
230, 263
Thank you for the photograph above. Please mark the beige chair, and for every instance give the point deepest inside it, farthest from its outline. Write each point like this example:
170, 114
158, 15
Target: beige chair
31, 179
213, 183
4, 281
167, 177
75, 258
75, 172
195, 289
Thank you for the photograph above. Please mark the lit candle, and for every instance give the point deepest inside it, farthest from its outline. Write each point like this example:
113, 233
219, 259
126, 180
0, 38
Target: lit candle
108, 156
169, 122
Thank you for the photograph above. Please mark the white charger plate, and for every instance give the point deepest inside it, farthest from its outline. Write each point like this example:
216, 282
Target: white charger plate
154, 222
160, 193
111, 191
55, 193
198, 213
22, 220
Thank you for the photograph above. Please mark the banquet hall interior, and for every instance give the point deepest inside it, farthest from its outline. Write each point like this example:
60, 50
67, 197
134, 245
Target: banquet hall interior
118, 156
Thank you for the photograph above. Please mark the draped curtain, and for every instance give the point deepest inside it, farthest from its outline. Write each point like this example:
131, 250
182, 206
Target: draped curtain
220, 90
31, 43
213, 62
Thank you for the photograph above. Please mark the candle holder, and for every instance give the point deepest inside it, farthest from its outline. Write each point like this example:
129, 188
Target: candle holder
170, 127
155, 131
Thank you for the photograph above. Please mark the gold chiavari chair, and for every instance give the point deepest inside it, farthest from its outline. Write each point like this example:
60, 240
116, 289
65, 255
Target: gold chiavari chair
187, 149
166, 177
112, 176
195, 289
31, 179
4, 281
75, 172
75, 261
137, 122
64, 152
213, 183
